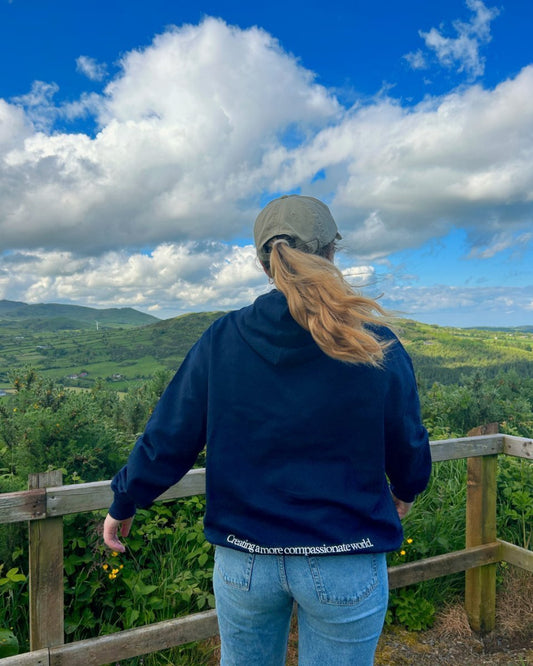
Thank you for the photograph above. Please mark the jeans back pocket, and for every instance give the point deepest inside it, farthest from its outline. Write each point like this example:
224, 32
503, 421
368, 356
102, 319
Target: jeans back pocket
234, 567
344, 580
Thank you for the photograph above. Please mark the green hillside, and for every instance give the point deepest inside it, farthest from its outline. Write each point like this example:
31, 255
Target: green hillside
80, 357
122, 355
56, 316
446, 354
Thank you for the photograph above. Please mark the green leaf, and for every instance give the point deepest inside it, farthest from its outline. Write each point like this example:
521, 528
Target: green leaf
9, 644
14, 576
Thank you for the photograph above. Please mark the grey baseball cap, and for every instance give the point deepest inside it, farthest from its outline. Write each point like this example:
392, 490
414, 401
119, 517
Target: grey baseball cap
306, 220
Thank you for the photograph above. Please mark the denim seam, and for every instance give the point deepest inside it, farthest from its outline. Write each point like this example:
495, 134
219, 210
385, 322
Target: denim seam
283, 573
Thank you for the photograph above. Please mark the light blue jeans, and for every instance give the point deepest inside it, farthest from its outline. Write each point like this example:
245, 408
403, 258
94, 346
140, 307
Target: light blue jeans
342, 601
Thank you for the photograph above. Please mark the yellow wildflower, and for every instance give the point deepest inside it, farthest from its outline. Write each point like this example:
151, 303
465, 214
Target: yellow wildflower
402, 552
105, 567
114, 554
409, 540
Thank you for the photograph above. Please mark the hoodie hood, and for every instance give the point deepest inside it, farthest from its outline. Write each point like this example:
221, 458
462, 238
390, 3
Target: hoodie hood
270, 330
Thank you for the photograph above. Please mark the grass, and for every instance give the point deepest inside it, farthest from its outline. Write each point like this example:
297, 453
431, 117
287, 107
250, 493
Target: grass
439, 354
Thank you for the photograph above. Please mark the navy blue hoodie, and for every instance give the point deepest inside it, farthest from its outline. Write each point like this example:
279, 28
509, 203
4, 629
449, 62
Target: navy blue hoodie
300, 447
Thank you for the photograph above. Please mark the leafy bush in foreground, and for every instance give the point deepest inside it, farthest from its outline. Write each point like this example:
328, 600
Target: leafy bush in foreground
167, 568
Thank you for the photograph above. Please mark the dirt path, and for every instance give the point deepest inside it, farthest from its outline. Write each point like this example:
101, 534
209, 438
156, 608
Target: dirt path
398, 647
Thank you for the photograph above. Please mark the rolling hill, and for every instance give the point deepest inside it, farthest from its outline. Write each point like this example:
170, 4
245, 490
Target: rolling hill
66, 345
81, 356
56, 316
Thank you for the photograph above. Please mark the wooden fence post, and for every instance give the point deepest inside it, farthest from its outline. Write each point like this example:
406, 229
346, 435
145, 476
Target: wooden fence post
480, 582
46, 572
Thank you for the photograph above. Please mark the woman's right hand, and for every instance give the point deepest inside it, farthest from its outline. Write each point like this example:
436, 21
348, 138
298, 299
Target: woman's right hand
112, 529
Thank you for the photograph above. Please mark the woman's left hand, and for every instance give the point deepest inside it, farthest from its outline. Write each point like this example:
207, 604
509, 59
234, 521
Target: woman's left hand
402, 508
112, 529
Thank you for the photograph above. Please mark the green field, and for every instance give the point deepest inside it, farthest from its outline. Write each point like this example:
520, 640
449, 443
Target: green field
116, 355
120, 355
445, 354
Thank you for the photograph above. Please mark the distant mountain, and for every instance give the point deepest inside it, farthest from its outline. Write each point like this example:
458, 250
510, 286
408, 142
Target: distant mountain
504, 329
57, 316
9, 306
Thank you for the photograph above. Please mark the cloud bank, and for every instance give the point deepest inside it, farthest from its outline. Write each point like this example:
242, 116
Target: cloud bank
200, 128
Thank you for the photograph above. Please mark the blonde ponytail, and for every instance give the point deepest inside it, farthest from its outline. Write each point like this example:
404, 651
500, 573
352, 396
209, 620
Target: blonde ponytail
323, 303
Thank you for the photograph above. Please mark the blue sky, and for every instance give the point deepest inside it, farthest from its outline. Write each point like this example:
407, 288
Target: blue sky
139, 140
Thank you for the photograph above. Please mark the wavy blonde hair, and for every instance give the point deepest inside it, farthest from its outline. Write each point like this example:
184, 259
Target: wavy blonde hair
323, 303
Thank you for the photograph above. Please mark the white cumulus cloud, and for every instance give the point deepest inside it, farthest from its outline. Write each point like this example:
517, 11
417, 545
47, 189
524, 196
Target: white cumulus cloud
186, 132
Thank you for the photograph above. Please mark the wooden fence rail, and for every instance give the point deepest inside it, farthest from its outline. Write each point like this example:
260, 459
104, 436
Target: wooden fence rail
47, 501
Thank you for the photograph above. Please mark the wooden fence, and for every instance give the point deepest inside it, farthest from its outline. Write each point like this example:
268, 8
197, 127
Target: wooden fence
47, 501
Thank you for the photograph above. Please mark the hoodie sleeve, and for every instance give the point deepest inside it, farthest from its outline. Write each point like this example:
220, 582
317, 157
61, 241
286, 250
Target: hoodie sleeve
407, 452
172, 439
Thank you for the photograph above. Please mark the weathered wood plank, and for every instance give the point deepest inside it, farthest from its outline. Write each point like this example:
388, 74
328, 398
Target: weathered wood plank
77, 498
46, 573
480, 583
193, 483
517, 556
62, 500
443, 565
135, 642
465, 447
521, 447
94, 496
35, 658
22, 506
